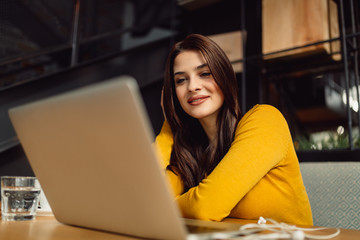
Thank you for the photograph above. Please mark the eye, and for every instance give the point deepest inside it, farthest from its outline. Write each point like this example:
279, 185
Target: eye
205, 74
179, 80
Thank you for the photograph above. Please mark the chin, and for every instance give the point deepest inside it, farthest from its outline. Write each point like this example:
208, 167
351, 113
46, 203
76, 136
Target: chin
198, 116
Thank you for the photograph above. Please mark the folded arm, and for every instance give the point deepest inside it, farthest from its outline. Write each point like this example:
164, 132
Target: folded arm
261, 142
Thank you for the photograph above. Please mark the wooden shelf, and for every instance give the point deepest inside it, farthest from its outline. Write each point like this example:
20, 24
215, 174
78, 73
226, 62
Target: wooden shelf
288, 24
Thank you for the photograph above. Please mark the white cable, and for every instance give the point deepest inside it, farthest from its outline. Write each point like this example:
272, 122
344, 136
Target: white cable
323, 236
282, 231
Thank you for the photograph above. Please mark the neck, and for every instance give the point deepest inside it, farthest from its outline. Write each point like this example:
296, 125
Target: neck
209, 126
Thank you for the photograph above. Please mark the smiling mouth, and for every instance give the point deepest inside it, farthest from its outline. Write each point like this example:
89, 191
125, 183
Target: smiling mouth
197, 100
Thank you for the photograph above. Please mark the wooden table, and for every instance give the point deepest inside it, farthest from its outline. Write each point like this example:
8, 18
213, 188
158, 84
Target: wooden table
47, 228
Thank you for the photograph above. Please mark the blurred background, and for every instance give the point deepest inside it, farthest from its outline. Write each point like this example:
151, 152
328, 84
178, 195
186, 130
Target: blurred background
299, 55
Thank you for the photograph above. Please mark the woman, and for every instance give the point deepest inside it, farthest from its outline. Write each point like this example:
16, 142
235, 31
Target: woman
220, 163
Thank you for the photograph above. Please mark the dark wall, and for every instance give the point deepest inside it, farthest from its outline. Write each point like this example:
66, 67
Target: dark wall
145, 64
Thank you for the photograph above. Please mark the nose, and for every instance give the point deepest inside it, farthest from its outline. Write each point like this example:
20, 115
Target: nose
194, 84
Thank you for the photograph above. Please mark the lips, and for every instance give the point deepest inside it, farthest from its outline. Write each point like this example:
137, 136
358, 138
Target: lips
197, 99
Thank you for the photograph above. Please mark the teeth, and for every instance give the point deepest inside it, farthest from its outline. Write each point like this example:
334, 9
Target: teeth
196, 100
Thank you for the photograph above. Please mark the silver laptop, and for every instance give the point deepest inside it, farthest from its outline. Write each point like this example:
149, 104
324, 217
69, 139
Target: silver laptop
91, 151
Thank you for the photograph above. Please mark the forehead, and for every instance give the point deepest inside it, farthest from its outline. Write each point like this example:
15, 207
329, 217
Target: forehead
188, 60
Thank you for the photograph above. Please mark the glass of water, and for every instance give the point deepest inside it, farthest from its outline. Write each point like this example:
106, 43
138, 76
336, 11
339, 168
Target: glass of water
19, 198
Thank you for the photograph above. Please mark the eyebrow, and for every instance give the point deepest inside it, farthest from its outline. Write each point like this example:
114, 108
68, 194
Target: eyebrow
197, 68
201, 66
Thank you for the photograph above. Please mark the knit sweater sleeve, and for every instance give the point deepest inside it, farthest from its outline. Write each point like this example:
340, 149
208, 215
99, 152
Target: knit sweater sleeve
261, 141
163, 145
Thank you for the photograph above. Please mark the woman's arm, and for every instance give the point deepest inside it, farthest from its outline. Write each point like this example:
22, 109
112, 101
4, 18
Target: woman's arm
163, 145
261, 141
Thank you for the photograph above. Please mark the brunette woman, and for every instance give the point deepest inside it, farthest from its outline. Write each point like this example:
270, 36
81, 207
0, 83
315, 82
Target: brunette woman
219, 162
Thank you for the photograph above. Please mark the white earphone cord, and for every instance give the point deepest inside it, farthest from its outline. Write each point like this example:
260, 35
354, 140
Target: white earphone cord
282, 231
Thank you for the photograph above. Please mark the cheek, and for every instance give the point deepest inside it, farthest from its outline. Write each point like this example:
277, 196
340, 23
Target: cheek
179, 93
218, 91
221, 98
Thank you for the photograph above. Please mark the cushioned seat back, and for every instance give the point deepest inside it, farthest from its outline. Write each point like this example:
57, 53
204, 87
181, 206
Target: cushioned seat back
334, 193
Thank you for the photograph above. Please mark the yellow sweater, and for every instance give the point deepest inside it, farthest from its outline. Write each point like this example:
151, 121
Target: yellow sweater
259, 176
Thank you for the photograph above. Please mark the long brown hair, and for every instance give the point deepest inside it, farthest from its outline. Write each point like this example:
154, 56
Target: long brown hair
193, 156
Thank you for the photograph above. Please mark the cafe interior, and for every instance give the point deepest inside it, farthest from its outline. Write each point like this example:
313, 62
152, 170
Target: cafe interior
301, 56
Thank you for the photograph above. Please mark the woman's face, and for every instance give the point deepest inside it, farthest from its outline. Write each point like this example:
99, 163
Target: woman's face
197, 92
